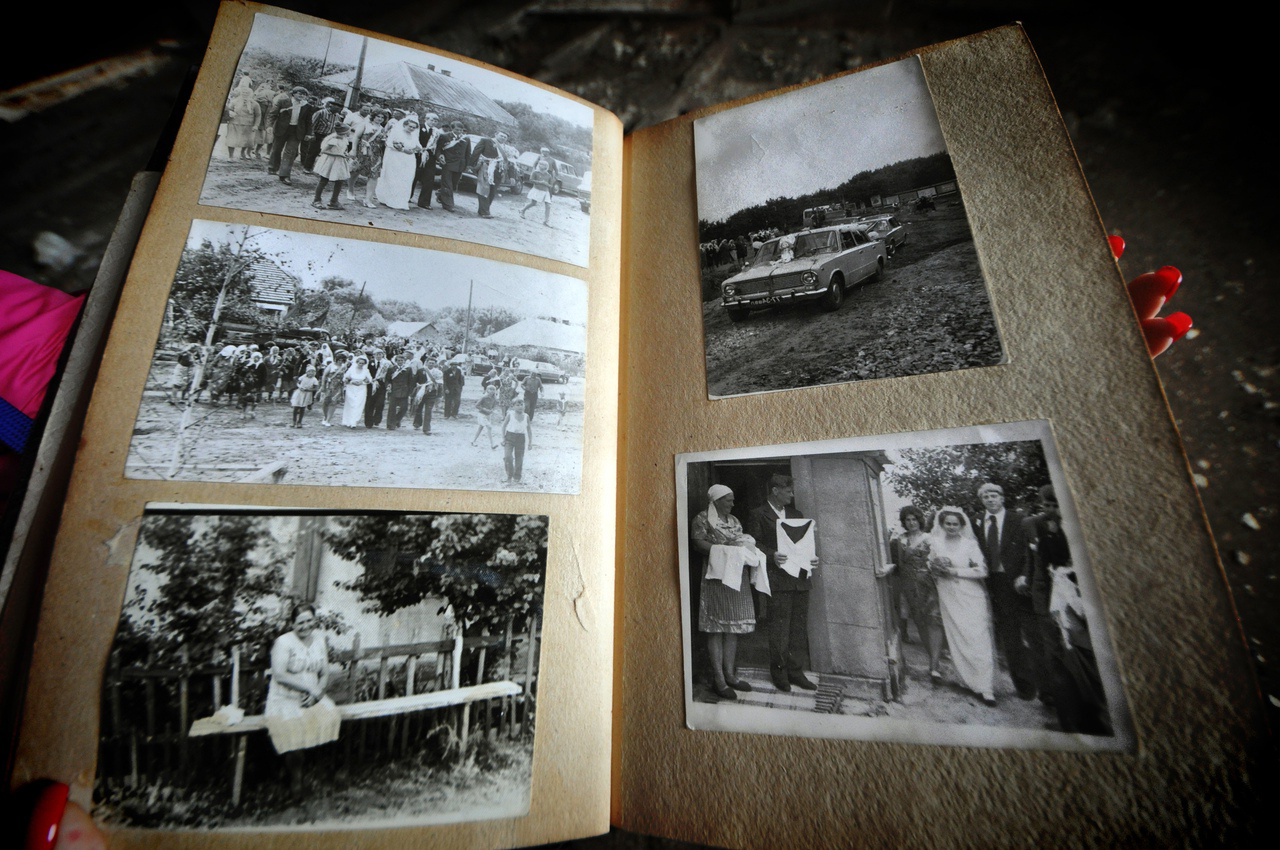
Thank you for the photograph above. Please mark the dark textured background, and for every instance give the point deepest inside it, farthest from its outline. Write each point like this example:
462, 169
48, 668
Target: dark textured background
1167, 113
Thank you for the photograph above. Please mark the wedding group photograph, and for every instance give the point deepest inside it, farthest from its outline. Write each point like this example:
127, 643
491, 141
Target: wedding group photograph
834, 245
929, 587
301, 359
276, 670
328, 125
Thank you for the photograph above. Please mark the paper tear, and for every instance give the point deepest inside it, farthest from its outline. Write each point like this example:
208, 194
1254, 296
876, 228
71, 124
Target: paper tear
581, 608
121, 544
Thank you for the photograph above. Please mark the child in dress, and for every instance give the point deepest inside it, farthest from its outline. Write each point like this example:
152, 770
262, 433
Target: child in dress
333, 165
304, 395
560, 406
541, 191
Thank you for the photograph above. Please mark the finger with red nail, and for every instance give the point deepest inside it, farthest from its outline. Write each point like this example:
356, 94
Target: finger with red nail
57, 823
1149, 293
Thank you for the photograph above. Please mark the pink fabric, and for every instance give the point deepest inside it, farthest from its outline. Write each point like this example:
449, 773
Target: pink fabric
34, 323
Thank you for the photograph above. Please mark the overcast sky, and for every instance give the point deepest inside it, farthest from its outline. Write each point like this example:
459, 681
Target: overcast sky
432, 279
814, 138
281, 35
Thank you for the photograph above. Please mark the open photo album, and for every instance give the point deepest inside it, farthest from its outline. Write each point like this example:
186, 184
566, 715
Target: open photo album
460, 471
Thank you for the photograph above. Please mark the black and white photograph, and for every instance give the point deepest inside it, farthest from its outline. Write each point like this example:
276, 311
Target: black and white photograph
300, 359
930, 587
306, 670
333, 126
834, 243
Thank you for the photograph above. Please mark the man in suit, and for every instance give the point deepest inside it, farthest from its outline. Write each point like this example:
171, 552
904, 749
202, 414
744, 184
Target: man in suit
399, 387
1003, 536
789, 585
454, 153
453, 381
288, 130
429, 136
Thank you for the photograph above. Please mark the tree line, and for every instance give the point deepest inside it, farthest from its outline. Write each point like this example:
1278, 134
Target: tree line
786, 214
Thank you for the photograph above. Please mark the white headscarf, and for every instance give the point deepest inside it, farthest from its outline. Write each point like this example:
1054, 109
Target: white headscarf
717, 491
939, 534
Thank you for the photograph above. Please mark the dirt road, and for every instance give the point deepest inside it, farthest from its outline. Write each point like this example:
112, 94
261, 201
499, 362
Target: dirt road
246, 185
223, 446
929, 312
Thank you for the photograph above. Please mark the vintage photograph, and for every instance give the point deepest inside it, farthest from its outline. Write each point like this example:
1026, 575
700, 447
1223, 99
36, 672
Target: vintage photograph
930, 587
299, 359
332, 126
834, 242
275, 670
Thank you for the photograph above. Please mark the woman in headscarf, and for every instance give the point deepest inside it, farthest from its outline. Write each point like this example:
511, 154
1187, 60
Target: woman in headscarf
252, 373
958, 568
725, 606
332, 389
220, 372
243, 117
356, 380
399, 163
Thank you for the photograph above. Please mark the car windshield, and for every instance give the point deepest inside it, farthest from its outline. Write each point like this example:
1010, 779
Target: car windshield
807, 244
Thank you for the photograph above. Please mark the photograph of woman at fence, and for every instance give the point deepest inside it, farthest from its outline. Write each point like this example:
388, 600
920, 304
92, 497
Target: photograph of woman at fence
390, 659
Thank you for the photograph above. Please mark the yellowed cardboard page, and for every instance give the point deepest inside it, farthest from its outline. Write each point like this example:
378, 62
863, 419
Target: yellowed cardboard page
1075, 358
87, 580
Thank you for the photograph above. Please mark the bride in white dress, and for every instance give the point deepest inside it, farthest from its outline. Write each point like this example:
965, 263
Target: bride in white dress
957, 563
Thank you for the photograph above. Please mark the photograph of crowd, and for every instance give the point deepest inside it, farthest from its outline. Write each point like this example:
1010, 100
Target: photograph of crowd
304, 670
324, 124
292, 358
930, 587
834, 243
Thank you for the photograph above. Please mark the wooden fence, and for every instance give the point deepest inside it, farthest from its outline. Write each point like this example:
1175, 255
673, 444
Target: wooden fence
147, 710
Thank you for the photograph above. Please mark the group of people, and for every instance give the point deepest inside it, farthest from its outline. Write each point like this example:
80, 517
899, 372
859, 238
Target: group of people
1010, 586
357, 388
1005, 581
394, 150
735, 251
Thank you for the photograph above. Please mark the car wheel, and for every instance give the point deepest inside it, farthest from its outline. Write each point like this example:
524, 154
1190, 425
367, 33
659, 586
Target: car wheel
555, 189
889, 250
835, 295
737, 314
879, 271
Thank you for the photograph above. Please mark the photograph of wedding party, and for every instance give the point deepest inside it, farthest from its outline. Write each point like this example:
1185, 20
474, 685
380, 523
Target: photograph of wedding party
301, 359
328, 125
930, 587
276, 670
834, 243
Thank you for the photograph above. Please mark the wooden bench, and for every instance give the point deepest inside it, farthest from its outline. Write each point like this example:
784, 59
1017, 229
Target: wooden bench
367, 710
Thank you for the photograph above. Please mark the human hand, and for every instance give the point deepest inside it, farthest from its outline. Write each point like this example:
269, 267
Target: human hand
1149, 293
779, 559
1020, 585
54, 822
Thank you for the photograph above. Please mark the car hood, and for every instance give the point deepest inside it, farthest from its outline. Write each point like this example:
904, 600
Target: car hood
803, 264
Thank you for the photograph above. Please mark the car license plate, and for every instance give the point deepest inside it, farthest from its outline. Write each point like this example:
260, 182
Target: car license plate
772, 299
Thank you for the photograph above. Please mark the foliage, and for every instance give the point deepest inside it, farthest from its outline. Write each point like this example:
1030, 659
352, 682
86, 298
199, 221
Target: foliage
787, 214
951, 475
488, 567
288, 71
567, 140
220, 581
200, 277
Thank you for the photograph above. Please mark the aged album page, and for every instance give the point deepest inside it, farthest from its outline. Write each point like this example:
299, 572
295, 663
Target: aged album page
1065, 414
308, 527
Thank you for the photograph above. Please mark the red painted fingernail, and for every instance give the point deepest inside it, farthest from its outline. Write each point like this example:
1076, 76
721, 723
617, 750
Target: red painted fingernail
45, 817
1117, 245
1180, 322
1171, 278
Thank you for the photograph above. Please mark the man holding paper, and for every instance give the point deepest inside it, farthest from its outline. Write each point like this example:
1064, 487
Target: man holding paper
788, 580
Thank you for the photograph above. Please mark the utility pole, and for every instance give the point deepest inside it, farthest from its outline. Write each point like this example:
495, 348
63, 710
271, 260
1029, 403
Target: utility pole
353, 96
466, 333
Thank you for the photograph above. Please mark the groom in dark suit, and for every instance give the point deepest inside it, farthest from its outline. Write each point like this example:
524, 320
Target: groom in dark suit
789, 600
1003, 537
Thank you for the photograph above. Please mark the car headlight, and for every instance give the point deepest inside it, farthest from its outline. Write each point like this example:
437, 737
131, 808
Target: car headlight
810, 279
730, 290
